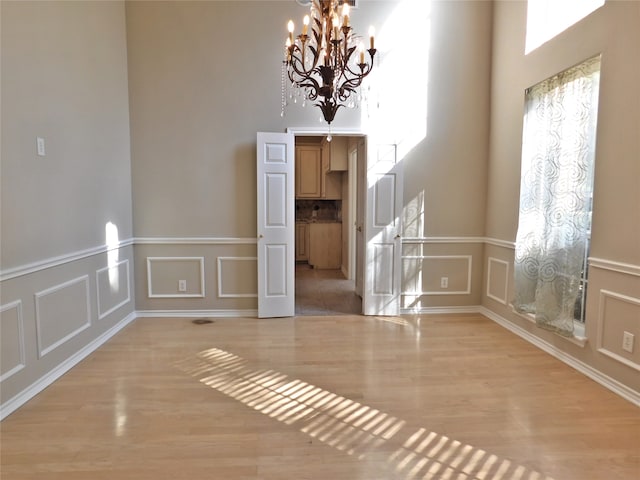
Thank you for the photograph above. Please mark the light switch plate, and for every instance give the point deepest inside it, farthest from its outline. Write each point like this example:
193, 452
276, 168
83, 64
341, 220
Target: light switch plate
40, 146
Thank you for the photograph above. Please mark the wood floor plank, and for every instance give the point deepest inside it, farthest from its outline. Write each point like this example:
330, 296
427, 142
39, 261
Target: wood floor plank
328, 397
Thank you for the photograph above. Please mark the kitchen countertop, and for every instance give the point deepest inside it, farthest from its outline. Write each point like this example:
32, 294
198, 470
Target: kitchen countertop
317, 221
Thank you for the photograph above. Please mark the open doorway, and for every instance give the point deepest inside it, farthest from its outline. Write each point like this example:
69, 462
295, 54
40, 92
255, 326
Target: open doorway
328, 214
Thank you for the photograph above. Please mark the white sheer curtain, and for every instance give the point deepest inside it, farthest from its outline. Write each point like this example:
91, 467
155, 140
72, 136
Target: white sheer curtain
555, 194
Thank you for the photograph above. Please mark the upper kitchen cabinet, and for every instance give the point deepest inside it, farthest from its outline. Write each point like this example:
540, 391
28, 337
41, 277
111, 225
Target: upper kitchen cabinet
309, 171
335, 154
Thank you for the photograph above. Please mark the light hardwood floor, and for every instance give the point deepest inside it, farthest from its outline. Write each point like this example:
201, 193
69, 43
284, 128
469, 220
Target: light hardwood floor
326, 397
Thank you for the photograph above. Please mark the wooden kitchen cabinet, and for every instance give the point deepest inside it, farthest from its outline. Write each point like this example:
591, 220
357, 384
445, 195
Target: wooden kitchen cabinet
325, 245
331, 179
302, 241
336, 154
309, 171
314, 175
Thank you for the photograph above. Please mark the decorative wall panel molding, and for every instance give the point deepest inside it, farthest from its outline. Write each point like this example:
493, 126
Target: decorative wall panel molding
168, 271
613, 309
232, 278
113, 289
12, 357
62, 312
497, 280
417, 270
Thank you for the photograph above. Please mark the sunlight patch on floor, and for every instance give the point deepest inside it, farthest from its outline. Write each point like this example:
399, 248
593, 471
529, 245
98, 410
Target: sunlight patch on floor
349, 426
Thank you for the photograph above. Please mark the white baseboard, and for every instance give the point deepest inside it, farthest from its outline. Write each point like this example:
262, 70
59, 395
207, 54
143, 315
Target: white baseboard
440, 310
28, 393
197, 313
604, 380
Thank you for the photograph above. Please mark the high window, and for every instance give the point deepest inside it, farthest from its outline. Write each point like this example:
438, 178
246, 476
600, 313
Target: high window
547, 18
556, 191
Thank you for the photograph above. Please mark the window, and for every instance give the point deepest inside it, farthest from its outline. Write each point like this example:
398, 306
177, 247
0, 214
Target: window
556, 191
547, 18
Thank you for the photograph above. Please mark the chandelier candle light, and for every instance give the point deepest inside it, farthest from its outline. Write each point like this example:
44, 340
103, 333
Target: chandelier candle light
322, 63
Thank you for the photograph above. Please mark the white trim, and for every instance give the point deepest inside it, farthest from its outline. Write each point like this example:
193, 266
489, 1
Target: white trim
176, 295
21, 270
503, 300
46, 263
320, 131
604, 294
440, 310
17, 304
618, 267
234, 295
31, 391
469, 259
437, 240
496, 242
604, 380
195, 241
579, 328
101, 314
249, 313
38, 295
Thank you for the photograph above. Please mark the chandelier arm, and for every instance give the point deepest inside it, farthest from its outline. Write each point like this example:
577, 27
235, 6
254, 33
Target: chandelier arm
296, 59
308, 82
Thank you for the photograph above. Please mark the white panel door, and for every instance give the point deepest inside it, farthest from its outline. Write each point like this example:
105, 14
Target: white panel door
276, 224
382, 231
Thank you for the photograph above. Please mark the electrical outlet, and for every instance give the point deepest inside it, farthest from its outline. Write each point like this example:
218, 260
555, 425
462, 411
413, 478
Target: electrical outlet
627, 342
182, 285
444, 282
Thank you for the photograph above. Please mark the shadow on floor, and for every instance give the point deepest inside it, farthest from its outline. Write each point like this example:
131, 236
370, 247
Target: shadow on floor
325, 292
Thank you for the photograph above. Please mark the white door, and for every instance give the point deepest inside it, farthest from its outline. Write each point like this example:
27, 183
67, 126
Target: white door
382, 231
276, 224
361, 200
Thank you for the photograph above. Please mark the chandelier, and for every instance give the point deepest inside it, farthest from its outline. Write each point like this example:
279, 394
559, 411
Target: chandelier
322, 61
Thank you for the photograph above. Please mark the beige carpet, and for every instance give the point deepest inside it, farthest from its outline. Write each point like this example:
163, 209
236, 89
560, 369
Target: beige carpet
325, 292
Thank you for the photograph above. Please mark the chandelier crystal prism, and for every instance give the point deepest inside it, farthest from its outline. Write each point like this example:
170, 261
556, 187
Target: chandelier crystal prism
324, 61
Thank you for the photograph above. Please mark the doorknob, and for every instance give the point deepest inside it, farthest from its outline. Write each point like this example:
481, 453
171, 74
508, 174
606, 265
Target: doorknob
398, 236
359, 229
260, 236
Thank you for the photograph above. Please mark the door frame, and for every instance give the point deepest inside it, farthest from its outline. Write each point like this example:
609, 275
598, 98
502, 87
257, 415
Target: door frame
371, 305
342, 132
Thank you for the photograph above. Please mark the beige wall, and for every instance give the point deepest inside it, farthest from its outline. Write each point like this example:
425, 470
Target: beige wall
205, 77
613, 300
64, 78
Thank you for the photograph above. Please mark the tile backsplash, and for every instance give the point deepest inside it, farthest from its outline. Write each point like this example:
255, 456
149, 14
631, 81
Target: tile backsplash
319, 210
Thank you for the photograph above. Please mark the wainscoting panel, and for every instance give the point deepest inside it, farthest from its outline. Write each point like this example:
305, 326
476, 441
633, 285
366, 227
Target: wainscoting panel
12, 358
618, 314
233, 273
113, 288
221, 274
57, 312
456, 268
165, 273
497, 280
62, 312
